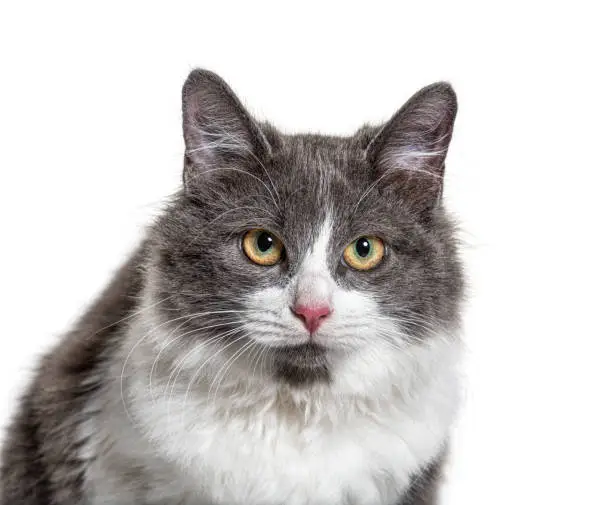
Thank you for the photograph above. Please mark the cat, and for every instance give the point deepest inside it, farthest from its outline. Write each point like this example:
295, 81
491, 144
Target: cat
286, 334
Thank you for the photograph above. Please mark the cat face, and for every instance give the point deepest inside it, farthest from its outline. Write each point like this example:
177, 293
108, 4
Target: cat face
299, 255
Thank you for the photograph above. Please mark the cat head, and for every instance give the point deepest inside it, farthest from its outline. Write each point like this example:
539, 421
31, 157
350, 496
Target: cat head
299, 256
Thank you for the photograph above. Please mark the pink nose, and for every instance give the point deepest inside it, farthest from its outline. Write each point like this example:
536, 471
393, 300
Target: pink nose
312, 317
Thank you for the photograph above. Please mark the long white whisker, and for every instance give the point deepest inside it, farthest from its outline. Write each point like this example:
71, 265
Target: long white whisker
200, 368
169, 342
178, 368
127, 358
227, 366
250, 175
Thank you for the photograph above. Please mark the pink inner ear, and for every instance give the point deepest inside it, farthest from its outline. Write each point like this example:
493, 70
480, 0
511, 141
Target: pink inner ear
416, 138
216, 126
413, 160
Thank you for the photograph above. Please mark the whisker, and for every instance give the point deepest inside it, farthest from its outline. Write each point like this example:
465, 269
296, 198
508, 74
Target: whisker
227, 366
178, 368
200, 368
127, 358
133, 314
169, 341
250, 175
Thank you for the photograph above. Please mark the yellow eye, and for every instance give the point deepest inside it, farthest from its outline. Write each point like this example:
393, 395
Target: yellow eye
262, 247
364, 253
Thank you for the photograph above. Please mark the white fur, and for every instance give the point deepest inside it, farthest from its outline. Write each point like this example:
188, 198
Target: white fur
238, 437
324, 447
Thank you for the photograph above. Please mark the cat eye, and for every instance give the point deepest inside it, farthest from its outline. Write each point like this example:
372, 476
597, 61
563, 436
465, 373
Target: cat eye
364, 253
262, 247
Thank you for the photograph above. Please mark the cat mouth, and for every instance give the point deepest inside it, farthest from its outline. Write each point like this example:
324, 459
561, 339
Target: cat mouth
307, 355
302, 364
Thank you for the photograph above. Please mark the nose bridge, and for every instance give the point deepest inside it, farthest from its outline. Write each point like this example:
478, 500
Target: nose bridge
313, 288
314, 284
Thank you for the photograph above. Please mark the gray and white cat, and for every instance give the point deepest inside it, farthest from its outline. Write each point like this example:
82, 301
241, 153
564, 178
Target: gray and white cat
287, 333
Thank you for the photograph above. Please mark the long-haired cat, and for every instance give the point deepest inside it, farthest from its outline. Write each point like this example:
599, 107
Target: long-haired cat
287, 333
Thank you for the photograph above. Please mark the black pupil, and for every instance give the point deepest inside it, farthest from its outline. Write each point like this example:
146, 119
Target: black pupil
264, 241
363, 247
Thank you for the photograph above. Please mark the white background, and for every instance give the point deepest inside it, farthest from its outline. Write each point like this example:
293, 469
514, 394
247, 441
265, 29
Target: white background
90, 143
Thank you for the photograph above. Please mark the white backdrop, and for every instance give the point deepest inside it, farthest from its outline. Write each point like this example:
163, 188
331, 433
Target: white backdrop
90, 143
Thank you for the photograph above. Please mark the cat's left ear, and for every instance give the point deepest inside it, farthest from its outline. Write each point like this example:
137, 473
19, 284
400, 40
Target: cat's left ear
218, 130
410, 150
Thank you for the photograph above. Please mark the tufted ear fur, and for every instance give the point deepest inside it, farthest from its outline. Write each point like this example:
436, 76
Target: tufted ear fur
411, 148
218, 130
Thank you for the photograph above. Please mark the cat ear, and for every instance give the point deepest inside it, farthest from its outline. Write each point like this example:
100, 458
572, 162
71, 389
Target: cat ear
218, 130
411, 148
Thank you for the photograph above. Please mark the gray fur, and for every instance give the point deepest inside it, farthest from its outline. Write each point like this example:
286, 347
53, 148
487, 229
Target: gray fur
279, 182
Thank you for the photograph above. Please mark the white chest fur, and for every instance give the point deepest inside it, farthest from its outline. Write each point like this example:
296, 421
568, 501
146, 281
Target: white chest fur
271, 448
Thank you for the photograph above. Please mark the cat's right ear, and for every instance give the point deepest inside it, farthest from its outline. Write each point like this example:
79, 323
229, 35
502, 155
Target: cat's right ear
410, 150
217, 129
